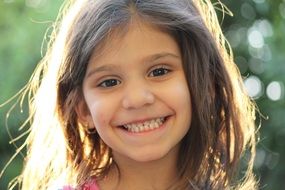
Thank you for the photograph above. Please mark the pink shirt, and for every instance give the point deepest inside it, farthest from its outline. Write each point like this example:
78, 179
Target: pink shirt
87, 186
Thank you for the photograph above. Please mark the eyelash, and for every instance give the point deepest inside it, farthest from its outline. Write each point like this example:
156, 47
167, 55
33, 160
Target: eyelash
158, 71
112, 82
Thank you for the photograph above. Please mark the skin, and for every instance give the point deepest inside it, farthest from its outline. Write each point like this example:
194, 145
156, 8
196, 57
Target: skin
138, 77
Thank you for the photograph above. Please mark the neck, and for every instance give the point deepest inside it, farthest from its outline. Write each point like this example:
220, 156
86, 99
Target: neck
152, 175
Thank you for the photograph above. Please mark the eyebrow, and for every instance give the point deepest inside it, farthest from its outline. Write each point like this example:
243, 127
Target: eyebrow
109, 67
155, 57
148, 59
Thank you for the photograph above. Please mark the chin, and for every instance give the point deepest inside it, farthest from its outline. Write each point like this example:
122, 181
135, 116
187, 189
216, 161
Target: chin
146, 156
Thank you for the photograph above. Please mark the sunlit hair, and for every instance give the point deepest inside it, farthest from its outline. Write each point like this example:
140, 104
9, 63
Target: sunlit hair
61, 151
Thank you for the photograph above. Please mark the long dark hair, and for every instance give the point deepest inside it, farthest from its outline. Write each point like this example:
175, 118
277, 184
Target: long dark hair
223, 116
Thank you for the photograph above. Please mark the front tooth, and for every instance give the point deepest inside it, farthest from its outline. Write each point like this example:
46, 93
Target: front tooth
156, 125
151, 126
141, 128
146, 128
158, 121
137, 129
146, 123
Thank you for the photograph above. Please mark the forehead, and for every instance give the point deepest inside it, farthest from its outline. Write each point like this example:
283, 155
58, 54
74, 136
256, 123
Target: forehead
137, 33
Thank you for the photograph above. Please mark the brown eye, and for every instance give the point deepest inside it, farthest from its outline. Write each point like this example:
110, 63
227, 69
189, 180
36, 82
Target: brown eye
159, 72
109, 83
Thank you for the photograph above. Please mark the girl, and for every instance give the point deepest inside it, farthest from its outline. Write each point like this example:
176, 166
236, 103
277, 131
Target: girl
138, 94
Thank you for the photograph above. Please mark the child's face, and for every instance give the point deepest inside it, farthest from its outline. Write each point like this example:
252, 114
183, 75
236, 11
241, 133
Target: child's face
137, 94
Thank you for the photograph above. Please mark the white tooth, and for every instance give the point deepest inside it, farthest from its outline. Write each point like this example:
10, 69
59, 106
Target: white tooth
151, 126
141, 128
156, 125
156, 121
146, 127
146, 123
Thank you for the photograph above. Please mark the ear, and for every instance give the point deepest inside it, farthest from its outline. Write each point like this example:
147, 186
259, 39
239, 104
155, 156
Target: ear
84, 115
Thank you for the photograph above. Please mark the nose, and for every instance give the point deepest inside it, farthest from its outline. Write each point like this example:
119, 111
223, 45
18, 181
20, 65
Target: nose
137, 95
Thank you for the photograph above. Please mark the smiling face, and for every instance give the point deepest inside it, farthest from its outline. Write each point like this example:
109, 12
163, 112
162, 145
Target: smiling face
137, 95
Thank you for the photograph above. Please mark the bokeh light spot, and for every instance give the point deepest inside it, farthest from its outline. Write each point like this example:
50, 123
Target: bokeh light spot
260, 158
35, 3
282, 9
255, 38
275, 90
253, 86
265, 27
247, 11
264, 53
259, 1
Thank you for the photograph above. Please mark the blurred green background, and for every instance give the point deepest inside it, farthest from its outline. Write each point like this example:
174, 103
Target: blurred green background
256, 33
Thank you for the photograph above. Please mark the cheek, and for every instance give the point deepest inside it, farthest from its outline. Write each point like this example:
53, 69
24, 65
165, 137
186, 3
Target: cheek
100, 119
179, 94
102, 111
181, 101
187, 94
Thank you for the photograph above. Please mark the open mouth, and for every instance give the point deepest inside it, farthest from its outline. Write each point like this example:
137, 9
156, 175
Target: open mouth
144, 126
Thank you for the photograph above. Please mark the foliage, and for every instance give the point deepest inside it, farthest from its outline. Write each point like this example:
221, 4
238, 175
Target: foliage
256, 33
22, 27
